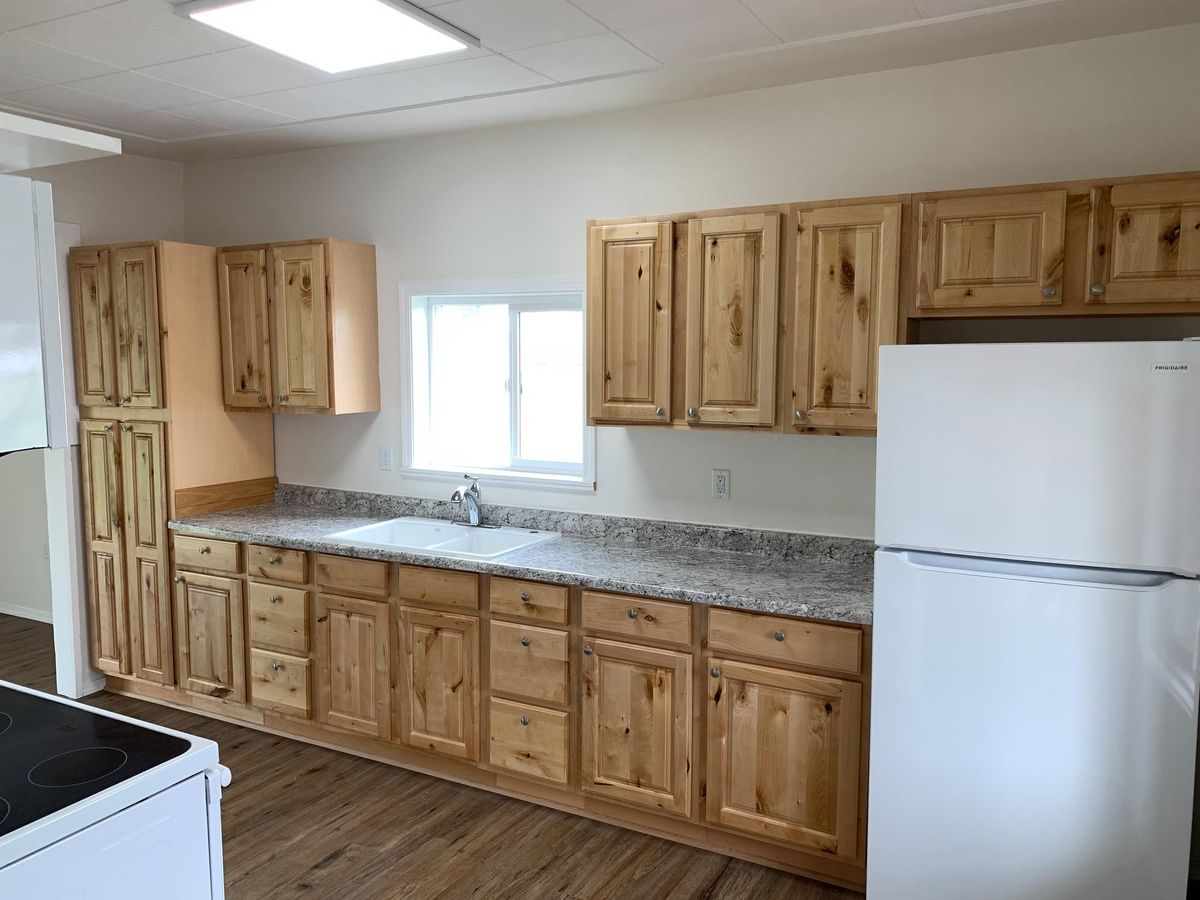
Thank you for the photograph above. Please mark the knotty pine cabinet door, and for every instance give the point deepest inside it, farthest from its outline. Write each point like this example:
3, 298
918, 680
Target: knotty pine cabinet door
991, 250
637, 725
629, 322
105, 546
90, 285
211, 624
143, 469
847, 306
245, 329
300, 308
353, 664
439, 682
1144, 243
139, 344
783, 755
732, 307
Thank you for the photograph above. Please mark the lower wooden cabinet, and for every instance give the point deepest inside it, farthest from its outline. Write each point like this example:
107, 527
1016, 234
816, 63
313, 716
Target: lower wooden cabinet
104, 546
353, 664
783, 755
212, 636
637, 724
438, 682
279, 682
529, 740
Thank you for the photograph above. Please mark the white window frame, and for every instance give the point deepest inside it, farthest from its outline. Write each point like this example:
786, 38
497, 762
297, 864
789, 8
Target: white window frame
548, 475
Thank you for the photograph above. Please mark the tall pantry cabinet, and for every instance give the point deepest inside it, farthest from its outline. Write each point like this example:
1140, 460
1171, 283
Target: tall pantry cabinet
151, 416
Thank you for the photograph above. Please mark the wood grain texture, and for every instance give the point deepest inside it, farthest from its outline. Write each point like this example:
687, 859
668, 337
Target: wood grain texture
300, 310
356, 576
195, 501
791, 641
105, 547
135, 293
210, 622
438, 689
92, 326
439, 587
530, 662
280, 683
207, 554
245, 329
529, 740
528, 599
353, 664
353, 328
279, 617
637, 617
276, 563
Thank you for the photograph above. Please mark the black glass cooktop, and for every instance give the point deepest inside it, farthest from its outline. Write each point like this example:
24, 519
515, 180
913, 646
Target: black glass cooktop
53, 755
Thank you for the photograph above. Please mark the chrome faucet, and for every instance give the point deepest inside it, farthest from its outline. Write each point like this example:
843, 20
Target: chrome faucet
470, 496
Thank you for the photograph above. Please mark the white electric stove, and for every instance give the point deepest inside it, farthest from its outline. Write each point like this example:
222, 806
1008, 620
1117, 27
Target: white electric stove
97, 805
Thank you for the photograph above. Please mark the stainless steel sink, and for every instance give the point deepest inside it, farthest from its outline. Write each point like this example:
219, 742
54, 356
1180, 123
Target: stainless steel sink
441, 537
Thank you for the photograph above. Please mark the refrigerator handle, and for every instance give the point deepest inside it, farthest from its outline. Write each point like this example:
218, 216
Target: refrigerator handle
971, 565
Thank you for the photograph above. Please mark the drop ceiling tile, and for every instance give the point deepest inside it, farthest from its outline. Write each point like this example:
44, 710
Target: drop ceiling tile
134, 87
316, 101
229, 114
491, 75
58, 100
504, 25
19, 13
11, 81
931, 9
161, 126
45, 63
237, 73
804, 20
97, 37
621, 14
390, 90
158, 17
586, 57
723, 30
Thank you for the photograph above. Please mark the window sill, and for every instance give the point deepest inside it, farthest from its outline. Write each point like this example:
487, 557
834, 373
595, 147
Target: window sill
506, 478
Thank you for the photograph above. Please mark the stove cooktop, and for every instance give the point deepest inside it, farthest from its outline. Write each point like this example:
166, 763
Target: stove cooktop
53, 755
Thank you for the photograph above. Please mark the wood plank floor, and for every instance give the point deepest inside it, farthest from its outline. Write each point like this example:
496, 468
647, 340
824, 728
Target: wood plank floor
303, 821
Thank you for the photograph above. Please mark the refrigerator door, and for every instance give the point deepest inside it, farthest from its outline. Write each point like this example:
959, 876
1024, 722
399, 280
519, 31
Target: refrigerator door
1033, 731
1082, 454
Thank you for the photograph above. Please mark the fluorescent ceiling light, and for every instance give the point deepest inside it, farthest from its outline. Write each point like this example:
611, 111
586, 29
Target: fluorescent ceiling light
333, 35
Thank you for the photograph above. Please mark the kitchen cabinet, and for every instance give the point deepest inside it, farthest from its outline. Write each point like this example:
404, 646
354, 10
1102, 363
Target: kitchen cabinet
1144, 243
847, 306
992, 250
245, 329
732, 308
629, 322
783, 755
90, 286
301, 307
637, 719
353, 664
439, 682
107, 591
210, 622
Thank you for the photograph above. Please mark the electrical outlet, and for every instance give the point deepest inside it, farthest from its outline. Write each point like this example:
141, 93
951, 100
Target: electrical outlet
720, 484
385, 457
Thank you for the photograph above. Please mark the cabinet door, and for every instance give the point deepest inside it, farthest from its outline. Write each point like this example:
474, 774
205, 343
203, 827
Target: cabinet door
783, 755
733, 301
995, 250
629, 322
637, 725
847, 291
93, 328
439, 682
143, 467
139, 353
353, 664
1145, 243
210, 622
100, 459
245, 328
300, 305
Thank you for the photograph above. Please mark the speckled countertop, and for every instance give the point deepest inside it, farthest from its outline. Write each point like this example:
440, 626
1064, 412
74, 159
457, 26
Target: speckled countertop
814, 586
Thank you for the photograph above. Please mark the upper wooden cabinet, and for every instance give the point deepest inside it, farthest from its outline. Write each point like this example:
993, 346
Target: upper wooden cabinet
991, 250
629, 322
90, 286
1144, 243
732, 306
313, 344
245, 328
847, 305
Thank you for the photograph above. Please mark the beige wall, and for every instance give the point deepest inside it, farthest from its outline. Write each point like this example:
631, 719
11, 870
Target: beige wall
24, 553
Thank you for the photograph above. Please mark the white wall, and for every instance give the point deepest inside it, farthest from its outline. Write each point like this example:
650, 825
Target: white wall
24, 560
512, 202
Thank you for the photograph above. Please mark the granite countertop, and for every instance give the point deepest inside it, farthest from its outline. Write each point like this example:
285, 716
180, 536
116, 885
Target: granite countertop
813, 587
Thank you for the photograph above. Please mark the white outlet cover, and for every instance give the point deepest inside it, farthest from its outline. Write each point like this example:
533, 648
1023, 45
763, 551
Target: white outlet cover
385, 457
720, 484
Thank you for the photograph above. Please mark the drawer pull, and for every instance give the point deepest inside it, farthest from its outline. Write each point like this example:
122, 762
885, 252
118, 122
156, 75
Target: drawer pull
524, 641
205, 549
274, 560
276, 667
275, 598
632, 614
714, 672
779, 635
524, 720
587, 649
178, 579
525, 597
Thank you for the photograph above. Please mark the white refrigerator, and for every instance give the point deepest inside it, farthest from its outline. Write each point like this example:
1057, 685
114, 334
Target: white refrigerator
1037, 622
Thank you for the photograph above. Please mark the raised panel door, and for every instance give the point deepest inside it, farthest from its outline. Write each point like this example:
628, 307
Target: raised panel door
211, 624
629, 322
733, 301
105, 547
139, 344
300, 306
439, 682
90, 286
245, 328
353, 664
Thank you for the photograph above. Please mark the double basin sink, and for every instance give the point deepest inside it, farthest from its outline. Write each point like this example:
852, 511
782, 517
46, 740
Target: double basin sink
442, 538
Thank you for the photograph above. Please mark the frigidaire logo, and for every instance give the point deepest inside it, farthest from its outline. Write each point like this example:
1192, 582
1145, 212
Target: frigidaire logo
1171, 367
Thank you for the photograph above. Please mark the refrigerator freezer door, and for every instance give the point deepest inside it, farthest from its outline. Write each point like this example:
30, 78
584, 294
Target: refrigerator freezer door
1031, 736
1082, 454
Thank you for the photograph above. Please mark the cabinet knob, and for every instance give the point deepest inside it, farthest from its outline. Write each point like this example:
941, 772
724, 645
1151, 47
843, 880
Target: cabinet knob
108, 398
632, 614
275, 598
779, 635
691, 412
108, 429
276, 667
659, 411
524, 642
714, 672
1049, 290
178, 579
262, 399
124, 400
127, 428
282, 398
587, 649
274, 560
205, 549
799, 415
525, 597
524, 720
1097, 289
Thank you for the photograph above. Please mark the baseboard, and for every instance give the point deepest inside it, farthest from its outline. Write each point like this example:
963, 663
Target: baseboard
25, 612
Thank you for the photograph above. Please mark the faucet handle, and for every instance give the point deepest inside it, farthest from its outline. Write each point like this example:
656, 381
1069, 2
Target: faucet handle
474, 482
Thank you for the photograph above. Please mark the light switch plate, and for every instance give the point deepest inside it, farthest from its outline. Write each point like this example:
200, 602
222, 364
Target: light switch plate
385, 457
720, 486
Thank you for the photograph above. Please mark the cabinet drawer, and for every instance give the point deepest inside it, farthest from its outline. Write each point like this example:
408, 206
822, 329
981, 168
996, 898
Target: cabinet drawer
279, 617
530, 661
279, 682
528, 740
653, 620
443, 587
205, 553
528, 599
277, 564
786, 640
359, 576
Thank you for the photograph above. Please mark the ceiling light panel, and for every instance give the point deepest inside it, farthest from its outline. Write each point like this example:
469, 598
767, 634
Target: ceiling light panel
333, 35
